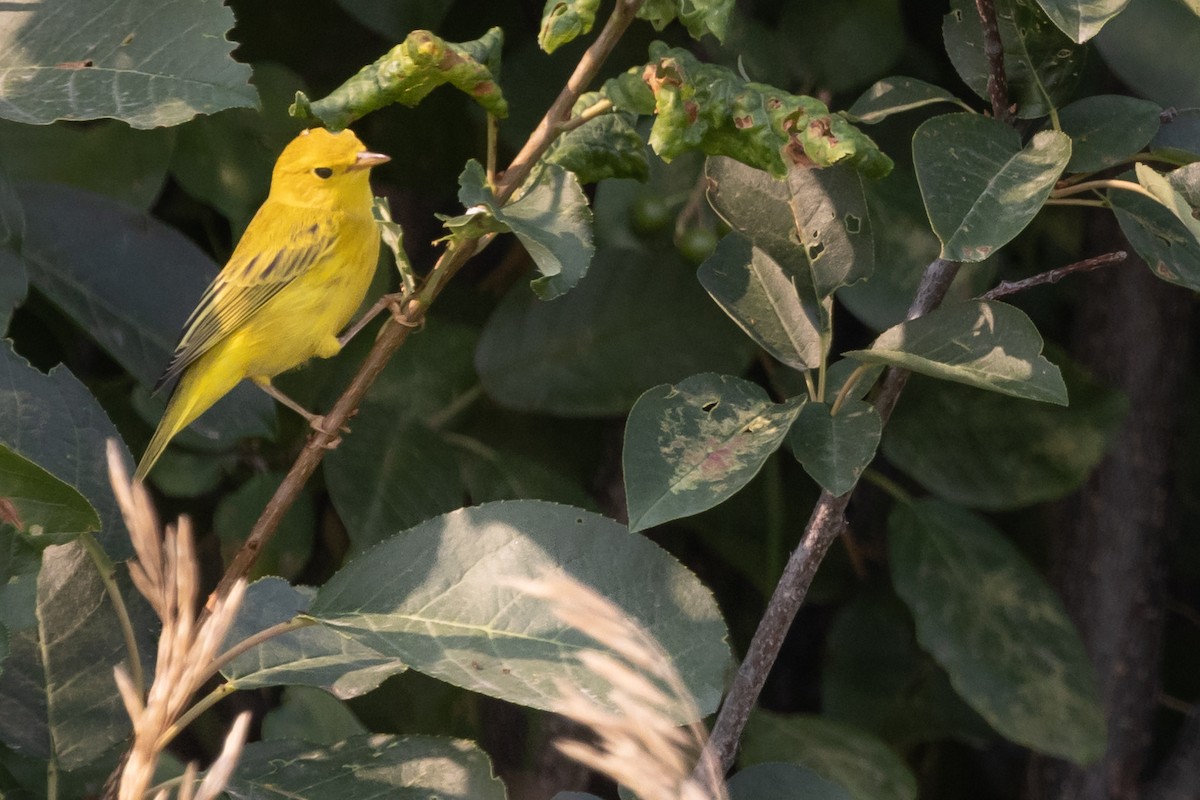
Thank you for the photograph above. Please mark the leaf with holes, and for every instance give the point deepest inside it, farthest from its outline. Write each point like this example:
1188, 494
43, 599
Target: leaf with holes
981, 188
692, 445
835, 449
986, 344
1159, 236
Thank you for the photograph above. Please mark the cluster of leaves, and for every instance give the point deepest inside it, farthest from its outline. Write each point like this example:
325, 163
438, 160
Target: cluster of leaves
462, 476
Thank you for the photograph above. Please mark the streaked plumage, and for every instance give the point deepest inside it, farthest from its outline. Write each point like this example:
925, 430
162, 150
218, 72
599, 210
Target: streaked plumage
293, 282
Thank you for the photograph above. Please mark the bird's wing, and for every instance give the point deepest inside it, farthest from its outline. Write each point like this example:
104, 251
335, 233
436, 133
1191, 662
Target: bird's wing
253, 276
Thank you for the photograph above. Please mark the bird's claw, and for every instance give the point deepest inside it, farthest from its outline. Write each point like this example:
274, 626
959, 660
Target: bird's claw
397, 305
317, 422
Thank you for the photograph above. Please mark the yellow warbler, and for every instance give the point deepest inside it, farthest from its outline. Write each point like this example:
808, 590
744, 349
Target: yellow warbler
294, 280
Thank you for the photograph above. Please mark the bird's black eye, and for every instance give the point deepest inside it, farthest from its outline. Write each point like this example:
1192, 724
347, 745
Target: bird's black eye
323, 172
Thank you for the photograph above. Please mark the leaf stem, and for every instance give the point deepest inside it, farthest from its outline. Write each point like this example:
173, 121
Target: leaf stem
108, 576
893, 489
1054, 275
1106, 183
585, 116
253, 641
847, 387
188, 717
812, 387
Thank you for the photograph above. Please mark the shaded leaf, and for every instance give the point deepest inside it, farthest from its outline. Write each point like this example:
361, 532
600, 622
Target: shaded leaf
995, 452
43, 500
607, 146
981, 188
698, 16
836, 449
440, 597
783, 782
311, 715
146, 75
692, 445
997, 628
1178, 137
894, 95
313, 656
1135, 47
990, 345
289, 549
1041, 63
1106, 129
1166, 194
1163, 241
709, 108
551, 218
565, 20
393, 20
1081, 20
846, 45
410, 71
398, 767
849, 757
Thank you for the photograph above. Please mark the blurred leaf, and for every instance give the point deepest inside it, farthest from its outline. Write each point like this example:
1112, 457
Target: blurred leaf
183, 473
845, 44
105, 157
980, 187
850, 757
398, 767
815, 224
289, 548
996, 452
410, 71
691, 445
1041, 63
1159, 237
987, 344
709, 108
607, 146
312, 656
638, 319
783, 782
440, 597
311, 715
698, 16
998, 629
225, 160
1178, 137
894, 95
1151, 46
551, 219
759, 295
1186, 181
565, 20
1106, 129
148, 75
393, 20
875, 677
130, 281
43, 500
1081, 20
56, 692
54, 422
836, 449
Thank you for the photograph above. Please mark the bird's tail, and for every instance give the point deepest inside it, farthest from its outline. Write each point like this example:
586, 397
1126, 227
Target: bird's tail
206, 382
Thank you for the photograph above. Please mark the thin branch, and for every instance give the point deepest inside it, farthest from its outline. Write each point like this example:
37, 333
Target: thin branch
108, 576
1054, 275
827, 521
993, 48
586, 116
396, 330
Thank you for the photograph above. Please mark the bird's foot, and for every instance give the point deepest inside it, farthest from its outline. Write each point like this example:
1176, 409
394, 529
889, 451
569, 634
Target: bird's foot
403, 310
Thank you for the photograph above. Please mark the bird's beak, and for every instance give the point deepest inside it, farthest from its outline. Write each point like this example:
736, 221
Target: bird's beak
368, 160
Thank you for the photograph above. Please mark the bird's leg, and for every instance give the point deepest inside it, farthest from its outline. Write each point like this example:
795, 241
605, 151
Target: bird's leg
316, 421
392, 302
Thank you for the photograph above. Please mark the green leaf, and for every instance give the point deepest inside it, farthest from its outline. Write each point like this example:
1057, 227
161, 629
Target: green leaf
997, 628
1163, 241
815, 224
371, 765
981, 188
836, 449
995, 452
130, 281
690, 446
289, 550
440, 597
1081, 20
313, 656
551, 218
1175, 202
43, 500
1042, 65
990, 345
20, 562
1178, 137
106, 157
587, 355
410, 71
698, 16
896, 94
709, 108
1106, 129
504, 474
607, 146
759, 295
783, 782
846, 45
565, 20
313, 715
849, 757
54, 422
1151, 47
56, 692
148, 75
875, 677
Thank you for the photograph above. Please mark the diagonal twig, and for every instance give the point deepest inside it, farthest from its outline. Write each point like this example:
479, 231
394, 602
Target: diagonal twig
1006, 288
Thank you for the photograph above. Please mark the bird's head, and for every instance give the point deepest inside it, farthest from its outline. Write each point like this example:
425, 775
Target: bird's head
322, 168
